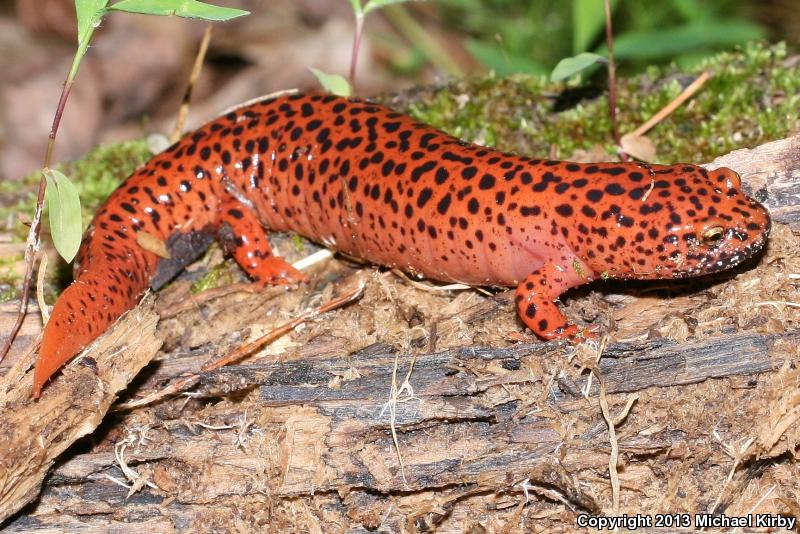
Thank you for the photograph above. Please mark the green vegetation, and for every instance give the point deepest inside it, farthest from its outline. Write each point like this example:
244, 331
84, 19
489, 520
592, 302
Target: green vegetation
100, 172
96, 175
753, 97
520, 36
63, 200
217, 275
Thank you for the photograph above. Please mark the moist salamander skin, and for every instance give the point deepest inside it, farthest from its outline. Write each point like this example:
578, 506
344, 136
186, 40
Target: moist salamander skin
376, 184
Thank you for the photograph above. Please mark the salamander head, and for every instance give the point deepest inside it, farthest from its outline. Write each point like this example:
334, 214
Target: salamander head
654, 222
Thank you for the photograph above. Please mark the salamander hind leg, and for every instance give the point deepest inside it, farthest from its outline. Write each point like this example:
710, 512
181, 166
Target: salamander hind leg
242, 235
536, 298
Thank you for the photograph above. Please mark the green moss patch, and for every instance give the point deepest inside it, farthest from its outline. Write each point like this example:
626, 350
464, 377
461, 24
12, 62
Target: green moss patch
753, 97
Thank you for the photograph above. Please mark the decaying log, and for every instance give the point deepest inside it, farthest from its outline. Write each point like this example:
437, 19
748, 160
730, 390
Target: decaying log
771, 172
34, 433
421, 410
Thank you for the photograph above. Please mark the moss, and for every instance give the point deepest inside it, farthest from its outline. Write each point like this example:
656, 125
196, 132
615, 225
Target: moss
218, 275
753, 97
97, 174
10, 280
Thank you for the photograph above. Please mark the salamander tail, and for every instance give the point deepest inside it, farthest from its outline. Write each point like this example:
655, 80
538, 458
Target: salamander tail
86, 309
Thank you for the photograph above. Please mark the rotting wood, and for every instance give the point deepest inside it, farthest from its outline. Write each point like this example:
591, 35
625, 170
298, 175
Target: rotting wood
33, 434
771, 173
297, 439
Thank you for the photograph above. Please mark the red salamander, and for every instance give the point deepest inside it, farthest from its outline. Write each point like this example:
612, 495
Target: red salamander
376, 184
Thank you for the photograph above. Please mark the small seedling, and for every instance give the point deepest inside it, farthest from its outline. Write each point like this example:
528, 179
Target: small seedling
62, 196
570, 66
333, 83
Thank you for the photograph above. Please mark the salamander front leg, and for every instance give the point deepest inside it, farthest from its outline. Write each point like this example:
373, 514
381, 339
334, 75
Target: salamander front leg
536, 298
242, 235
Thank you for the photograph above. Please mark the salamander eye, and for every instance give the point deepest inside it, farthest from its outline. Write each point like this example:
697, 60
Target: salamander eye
731, 178
713, 234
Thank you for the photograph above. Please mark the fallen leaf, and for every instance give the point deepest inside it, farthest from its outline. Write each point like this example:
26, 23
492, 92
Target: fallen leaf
638, 146
153, 244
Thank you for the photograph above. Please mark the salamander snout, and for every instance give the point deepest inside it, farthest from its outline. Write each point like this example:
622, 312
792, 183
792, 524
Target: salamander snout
720, 226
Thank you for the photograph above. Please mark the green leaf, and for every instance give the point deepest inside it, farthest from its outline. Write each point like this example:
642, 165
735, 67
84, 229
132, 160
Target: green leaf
372, 5
694, 9
64, 208
588, 18
181, 8
573, 65
333, 83
89, 12
647, 44
501, 61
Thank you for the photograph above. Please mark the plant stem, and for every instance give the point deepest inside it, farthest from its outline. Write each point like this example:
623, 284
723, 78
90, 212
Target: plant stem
187, 96
34, 234
356, 46
612, 75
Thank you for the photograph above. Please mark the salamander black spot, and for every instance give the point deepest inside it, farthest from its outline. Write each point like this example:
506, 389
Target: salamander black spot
444, 204
487, 182
562, 188
473, 205
527, 211
417, 173
424, 197
615, 189
594, 195
565, 210
235, 213
127, 207
323, 135
637, 193
530, 311
469, 172
442, 175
